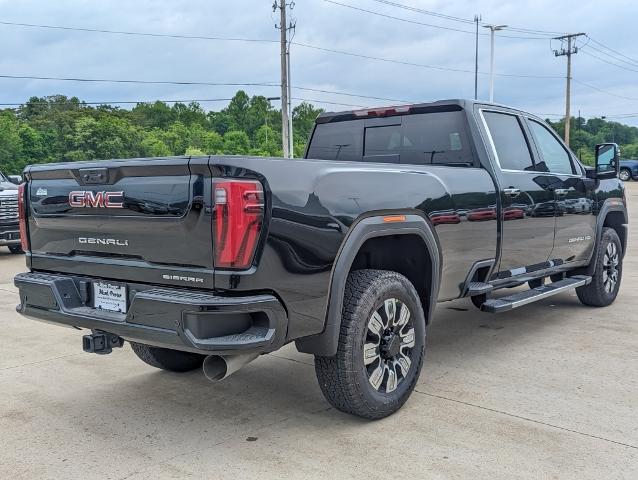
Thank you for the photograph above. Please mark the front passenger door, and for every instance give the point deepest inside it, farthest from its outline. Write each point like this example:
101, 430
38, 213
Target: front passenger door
575, 224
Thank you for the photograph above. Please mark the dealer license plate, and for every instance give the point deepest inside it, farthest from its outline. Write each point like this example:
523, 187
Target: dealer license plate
109, 296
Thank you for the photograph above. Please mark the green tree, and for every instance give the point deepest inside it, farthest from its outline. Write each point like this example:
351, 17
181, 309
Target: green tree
177, 138
11, 159
236, 143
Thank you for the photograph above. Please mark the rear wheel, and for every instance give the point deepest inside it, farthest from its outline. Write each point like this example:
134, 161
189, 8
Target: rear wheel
166, 359
624, 174
603, 289
381, 346
15, 249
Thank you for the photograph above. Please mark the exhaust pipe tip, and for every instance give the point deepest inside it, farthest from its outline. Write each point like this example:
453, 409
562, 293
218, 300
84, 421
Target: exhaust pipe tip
218, 367
215, 368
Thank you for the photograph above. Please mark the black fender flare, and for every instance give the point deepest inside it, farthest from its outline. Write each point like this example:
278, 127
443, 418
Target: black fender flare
610, 205
325, 343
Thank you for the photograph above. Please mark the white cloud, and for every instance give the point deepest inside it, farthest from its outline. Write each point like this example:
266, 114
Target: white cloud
29, 51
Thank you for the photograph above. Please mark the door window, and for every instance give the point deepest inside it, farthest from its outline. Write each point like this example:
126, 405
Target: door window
509, 140
555, 157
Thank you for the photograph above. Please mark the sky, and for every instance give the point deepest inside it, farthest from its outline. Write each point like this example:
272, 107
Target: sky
606, 85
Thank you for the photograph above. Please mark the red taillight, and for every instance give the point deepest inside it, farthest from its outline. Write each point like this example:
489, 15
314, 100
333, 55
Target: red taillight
239, 214
22, 215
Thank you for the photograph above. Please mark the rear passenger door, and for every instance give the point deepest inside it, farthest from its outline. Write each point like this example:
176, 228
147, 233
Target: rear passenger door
575, 224
527, 235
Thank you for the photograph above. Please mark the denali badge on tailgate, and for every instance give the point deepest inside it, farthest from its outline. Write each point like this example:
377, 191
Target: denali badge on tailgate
82, 198
104, 241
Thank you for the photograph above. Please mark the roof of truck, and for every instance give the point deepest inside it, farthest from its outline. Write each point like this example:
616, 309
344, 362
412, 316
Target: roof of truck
406, 109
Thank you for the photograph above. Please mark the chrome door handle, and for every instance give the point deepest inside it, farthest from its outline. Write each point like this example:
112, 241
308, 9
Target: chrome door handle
561, 192
511, 192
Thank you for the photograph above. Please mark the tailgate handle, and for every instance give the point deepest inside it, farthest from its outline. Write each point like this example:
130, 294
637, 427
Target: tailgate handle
94, 176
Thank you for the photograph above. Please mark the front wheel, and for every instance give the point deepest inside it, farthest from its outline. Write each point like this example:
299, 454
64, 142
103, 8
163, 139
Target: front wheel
624, 174
15, 249
603, 289
381, 346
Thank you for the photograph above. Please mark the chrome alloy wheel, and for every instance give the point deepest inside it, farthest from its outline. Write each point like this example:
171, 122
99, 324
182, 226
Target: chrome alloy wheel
611, 259
390, 338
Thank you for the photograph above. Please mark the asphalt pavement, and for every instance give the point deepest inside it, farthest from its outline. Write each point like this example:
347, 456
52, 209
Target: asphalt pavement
546, 391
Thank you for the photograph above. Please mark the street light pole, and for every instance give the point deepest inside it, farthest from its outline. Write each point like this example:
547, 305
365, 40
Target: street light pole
269, 99
493, 28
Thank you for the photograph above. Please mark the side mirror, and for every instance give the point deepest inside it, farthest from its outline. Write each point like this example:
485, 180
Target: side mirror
17, 179
607, 164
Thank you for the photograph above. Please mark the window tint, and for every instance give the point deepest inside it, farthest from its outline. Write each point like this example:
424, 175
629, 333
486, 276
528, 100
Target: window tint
385, 140
510, 143
555, 157
337, 141
438, 138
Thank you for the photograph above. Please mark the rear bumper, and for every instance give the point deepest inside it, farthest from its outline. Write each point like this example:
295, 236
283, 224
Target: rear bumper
179, 319
9, 235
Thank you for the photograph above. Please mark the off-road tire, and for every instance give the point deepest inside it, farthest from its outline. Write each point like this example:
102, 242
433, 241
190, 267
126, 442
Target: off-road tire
166, 359
15, 249
595, 294
343, 378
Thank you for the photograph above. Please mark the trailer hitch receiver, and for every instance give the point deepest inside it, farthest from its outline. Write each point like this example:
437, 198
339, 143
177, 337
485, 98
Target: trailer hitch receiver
101, 343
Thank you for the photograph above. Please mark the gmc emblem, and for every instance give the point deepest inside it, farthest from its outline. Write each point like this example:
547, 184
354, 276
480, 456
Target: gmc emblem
81, 198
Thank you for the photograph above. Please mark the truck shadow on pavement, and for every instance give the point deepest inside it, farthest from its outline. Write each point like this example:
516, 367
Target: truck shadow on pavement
277, 387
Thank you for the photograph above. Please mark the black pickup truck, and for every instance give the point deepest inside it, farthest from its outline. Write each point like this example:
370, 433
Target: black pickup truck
212, 261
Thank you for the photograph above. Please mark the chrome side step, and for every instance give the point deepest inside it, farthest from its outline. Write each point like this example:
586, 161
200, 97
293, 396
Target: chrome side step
478, 288
498, 305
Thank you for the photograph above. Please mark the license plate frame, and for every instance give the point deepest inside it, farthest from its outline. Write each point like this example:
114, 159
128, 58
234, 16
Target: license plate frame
110, 297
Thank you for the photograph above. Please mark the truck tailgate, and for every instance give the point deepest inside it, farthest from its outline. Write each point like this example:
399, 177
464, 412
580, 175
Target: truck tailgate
134, 220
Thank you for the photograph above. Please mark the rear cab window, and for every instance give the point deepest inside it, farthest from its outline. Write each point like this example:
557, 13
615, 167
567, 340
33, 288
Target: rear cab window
438, 137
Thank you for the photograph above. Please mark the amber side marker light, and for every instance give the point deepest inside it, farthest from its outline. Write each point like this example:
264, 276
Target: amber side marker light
394, 218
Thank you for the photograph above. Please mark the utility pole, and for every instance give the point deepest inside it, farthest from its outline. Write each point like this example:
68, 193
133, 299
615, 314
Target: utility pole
493, 28
291, 149
477, 19
285, 101
568, 52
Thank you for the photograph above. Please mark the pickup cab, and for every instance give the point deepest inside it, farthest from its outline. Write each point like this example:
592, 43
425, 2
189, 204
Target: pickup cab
209, 262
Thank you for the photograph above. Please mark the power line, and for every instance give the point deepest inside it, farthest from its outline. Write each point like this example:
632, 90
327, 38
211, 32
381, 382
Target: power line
613, 51
140, 34
150, 102
166, 82
608, 61
605, 91
462, 20
82, 103
119, 102
303, 45
414, 64
613, 56
414, 22
151, 82
333, 92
